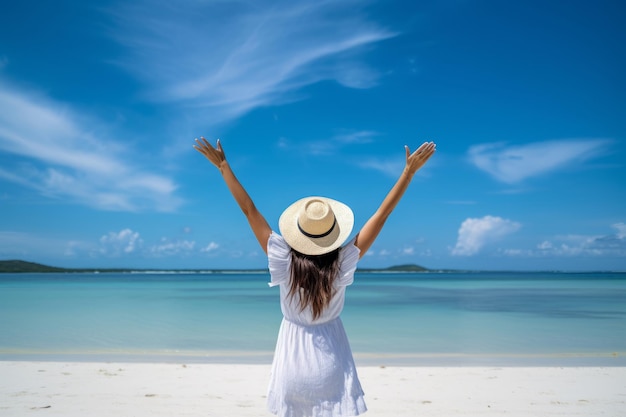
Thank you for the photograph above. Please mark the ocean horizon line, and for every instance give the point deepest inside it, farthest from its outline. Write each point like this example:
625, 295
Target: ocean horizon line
20, 266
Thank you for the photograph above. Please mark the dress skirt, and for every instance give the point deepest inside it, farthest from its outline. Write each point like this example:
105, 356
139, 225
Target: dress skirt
313, 373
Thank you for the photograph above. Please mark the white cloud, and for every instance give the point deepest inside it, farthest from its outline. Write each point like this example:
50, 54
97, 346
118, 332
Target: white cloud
355, 137
331, 146
168, 248
545, 245
340, 140
621, 230
389, 167
516, 252
118, 243
228, 58
475, 233
211, 247
513, 164
55, 153
392, 167
426, 253
586, 245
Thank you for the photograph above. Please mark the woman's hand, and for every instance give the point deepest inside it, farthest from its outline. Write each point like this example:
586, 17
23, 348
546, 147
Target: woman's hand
414, 161
259, 225
215, 155
417, 159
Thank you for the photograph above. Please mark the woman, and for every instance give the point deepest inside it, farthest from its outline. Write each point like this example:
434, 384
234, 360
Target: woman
313, 371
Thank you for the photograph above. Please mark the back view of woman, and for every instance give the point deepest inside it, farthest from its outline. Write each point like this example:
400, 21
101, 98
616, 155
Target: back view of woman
313, 371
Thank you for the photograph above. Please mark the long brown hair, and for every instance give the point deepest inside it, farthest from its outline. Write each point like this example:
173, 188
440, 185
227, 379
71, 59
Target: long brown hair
312, 276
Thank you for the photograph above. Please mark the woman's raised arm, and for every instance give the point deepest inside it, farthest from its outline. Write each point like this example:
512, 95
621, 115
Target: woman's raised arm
414, 161
259, 225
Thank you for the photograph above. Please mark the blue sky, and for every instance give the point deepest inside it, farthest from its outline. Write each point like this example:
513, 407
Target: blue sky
100, 103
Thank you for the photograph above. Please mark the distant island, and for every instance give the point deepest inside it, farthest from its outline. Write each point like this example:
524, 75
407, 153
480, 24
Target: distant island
18, 266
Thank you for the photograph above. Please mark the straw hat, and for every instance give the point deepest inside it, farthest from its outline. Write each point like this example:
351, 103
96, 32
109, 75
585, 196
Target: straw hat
316, 225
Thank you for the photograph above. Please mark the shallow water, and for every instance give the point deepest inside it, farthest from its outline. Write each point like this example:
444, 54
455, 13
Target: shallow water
235, 317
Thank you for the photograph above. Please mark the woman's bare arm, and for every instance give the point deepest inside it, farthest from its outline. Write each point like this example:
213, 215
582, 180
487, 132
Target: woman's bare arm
259, 225
414, 161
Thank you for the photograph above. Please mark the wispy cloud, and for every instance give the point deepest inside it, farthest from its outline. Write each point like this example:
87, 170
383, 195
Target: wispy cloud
606, 246
338, 141
333, 145
54, 151
392, 167
123, 244
355, 137
125, 241
585, 245
516, 163
475, 233
167, 247
211, 247
226, 58
389, 167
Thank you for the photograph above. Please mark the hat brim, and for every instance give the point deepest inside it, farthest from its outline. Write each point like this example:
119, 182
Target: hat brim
288, 225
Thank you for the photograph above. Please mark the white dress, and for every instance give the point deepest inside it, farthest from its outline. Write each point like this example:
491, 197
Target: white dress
313, 372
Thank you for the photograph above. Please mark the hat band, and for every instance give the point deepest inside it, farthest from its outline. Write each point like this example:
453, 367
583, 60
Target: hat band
318, 236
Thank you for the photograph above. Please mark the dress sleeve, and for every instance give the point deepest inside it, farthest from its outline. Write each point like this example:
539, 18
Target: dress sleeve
279, 259
348, 258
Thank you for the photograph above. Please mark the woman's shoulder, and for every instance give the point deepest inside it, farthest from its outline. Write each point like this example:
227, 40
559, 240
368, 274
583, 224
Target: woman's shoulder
348, 258
277, 240
279, 258
350, 249
277, 247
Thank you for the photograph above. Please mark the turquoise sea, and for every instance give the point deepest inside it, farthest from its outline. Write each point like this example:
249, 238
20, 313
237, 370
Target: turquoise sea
401, 318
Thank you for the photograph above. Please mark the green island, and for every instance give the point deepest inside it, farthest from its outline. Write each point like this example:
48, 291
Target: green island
18, 266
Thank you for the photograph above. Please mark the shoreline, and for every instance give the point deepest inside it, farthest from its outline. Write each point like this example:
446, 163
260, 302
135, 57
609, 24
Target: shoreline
72, 389
565, 359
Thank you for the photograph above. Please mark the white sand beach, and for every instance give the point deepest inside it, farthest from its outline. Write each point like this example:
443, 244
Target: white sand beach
73, 389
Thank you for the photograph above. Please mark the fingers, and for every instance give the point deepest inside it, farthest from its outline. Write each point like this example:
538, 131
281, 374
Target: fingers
426, 145
203, 145
418, 158
426, 148
426, 151
214, 154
